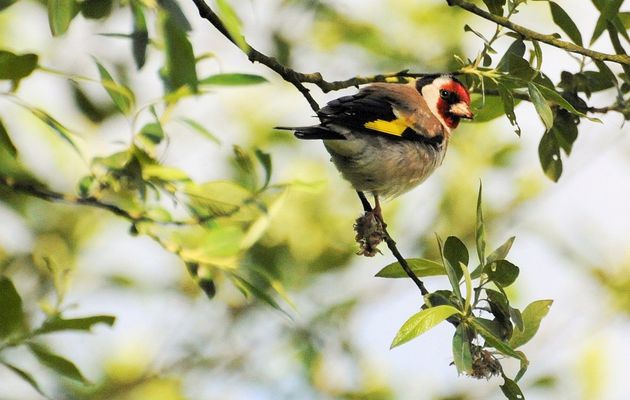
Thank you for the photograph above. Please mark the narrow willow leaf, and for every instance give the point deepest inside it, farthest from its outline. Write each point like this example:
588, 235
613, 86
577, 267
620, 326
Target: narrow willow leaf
564, 22
76, 324
180, 59
6, 142
197, 127
15, 67
508, 106
511, 390
462, 358
610, 10
565, 131
549, 155
480, 230
420, 267
493, 341
532, 315
250, 289
495, 6
55, 125
176, 14
11, 314
452, 270
541, 105
487, 107
422, 322
163, 173
60, 14
96, 9
27, 377
140, 35
538, 53
57, 363
502, 251
455, 252
233, 79
265, 161
121, 95
232, 24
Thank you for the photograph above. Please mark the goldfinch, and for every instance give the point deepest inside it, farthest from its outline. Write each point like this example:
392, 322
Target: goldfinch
388, 138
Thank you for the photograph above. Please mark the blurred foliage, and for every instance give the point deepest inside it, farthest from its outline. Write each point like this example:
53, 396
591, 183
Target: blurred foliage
274, 235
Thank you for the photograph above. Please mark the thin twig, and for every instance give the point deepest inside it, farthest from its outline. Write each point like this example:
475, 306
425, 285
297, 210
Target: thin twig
622, 59
391, 244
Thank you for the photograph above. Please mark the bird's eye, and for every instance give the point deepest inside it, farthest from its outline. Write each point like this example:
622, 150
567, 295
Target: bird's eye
444, 94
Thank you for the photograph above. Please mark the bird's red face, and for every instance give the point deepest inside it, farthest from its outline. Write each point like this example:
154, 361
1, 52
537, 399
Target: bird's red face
453, 103
447, 98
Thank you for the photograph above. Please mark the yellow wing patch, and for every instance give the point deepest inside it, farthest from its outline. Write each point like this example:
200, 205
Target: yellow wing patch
395, 127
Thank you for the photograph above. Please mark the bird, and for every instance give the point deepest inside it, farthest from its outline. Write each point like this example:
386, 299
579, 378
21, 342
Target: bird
389, 137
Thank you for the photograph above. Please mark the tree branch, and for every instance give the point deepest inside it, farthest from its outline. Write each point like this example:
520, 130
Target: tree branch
622, 59
40, 192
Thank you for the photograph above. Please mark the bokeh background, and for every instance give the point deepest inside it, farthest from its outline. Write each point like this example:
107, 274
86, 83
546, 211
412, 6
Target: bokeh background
171, 342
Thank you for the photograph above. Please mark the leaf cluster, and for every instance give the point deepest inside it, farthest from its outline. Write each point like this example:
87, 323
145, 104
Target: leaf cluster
487, 326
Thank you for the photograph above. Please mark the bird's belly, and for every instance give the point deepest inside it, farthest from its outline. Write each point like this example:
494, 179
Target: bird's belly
384, 166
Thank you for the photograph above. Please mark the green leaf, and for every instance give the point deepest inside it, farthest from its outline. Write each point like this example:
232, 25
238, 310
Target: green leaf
517, 318
541, 105
480, 230
487, 107
532, 316
495, 6
6, 3
420, 267
555, 97
163, 173
11, 313
565, 130
180, 59
511, 390
462, 356
610, 10
493, 341
176, 14
233, 79
16, 67
96, 9
196, 126
265, 161
57, 363
502, 272
517, 67
508, 106
453, 271
549, 155
218, 197
232, 24
55, 125
140, 35
77, 324
502, 251
564, 22
28, 378
455, 253
60, 14
121, 95
517, 49
422, 322
5, 141
249, 288
153, 132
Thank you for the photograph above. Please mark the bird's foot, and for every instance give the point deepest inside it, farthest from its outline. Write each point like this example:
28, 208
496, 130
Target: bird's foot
370, 233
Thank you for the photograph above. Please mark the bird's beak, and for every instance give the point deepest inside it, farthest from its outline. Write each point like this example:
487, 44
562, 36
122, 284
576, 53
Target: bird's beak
462, 110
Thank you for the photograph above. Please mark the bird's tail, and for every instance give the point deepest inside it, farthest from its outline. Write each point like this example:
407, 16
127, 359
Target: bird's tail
312, 132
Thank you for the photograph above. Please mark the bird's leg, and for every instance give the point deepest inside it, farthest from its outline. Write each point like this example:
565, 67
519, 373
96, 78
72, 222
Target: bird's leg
377, 211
